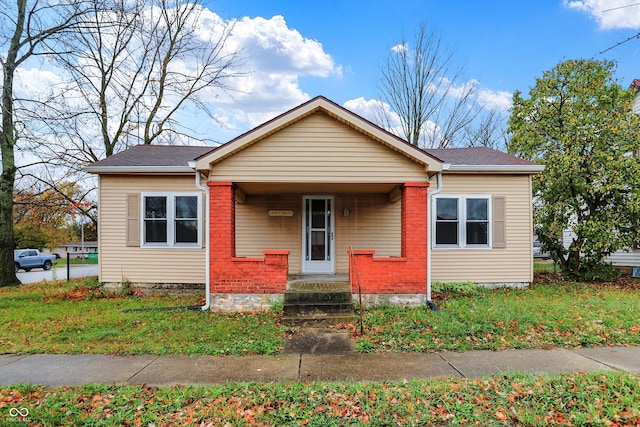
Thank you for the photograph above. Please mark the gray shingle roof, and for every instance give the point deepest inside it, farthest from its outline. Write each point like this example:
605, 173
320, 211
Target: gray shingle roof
479, 156
160, 158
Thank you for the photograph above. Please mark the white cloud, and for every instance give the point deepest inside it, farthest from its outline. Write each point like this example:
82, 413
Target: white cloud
373, 109
402, 47
275, 58
35, 83
609, 14
498, 100
376, 111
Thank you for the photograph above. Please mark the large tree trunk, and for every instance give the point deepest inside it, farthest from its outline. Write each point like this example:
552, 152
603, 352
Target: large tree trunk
7, 141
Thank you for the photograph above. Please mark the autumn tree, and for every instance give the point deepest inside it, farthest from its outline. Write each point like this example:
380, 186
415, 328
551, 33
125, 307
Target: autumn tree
579, 123
27, 29
45, 217
422, 84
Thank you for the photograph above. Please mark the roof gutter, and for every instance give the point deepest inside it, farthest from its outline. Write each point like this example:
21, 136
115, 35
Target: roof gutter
207, 287
139, 169
497, 168
445, 166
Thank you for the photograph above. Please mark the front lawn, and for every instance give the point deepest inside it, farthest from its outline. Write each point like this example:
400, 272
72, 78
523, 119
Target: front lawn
607, 399
545, 316
56, 317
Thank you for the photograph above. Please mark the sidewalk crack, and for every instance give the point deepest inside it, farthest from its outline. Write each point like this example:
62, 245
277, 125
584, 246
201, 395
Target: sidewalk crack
452, 367
142, 369
600, 362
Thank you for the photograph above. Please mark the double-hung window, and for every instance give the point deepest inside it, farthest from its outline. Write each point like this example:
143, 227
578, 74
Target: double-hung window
462, 221
171, 219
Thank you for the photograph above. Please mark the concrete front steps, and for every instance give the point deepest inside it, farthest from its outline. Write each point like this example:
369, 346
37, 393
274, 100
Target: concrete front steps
318, 303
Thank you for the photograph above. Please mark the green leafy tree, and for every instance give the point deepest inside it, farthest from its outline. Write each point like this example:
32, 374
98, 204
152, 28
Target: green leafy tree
579, 123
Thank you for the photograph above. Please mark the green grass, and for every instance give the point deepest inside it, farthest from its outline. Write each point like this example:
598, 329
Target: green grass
544, 265
597, 399
77, 318
546, 316
62, 262
57, 317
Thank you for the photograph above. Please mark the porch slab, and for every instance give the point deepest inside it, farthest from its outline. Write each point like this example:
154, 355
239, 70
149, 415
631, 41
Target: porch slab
317, 278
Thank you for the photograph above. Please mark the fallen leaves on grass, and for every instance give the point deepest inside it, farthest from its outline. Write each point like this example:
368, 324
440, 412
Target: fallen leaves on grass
575, 399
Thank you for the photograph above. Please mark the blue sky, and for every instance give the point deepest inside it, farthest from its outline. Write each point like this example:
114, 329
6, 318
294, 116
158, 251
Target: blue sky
335, 48
294, 50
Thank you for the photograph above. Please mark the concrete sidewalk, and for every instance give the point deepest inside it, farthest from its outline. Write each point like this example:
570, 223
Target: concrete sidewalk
58, 370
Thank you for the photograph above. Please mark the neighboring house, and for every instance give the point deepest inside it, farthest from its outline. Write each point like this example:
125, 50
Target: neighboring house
76, 249
317, 190
629, 257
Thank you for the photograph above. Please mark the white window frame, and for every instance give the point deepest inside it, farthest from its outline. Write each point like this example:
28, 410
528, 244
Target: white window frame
462, 221
171, 220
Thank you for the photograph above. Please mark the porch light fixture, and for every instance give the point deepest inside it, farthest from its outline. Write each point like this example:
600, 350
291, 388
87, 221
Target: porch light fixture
280, 212
345, 212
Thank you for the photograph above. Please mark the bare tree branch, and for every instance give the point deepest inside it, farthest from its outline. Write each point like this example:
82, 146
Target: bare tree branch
421, 83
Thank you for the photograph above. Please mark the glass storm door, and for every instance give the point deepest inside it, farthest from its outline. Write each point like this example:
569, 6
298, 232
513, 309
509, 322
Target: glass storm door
317, 251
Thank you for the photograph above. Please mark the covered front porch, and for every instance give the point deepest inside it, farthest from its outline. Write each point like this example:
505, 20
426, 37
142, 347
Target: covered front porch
317, 190
268, 242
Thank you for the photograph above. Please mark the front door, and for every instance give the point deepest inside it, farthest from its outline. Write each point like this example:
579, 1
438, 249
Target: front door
317, 232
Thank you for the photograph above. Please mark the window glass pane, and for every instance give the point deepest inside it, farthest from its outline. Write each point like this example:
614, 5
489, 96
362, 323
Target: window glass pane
477, 233
187, 231
155, 231
447, 209
318, 244
317, 213
477, 209
186, 207
446, 233
155, 207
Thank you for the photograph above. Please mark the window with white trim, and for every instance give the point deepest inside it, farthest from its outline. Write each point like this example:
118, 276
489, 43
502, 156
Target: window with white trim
462, 221
171, 219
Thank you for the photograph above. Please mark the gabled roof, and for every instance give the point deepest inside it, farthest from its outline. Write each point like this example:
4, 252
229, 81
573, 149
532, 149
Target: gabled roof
482, 159
333, 110
150, 159
179, 159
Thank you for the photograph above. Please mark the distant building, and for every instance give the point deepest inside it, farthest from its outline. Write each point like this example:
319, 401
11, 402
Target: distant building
76, 249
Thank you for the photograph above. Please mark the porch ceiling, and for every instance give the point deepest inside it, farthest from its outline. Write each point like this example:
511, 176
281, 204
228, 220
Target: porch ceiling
314, 187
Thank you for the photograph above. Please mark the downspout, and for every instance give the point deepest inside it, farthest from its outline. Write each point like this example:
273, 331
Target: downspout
433, 193
207, 302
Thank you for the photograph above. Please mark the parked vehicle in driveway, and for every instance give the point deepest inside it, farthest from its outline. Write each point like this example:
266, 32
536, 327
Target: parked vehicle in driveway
27, 259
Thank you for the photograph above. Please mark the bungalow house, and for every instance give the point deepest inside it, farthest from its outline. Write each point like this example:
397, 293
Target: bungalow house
317, 191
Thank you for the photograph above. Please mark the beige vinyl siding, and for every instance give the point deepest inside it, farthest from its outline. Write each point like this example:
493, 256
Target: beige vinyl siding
119, 262
317, 149
628, 258
373, 223
514, 263
256, 231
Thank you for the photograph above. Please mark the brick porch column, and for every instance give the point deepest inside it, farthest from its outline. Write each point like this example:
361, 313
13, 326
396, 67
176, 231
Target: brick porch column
222, 227
414, 229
